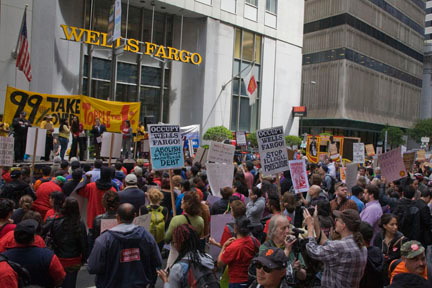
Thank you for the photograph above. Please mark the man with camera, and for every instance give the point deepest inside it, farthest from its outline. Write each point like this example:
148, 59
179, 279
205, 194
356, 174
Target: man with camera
279, 236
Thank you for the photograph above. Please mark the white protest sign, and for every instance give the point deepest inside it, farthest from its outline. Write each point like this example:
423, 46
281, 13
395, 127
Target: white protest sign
41, 140
166, 146
6, 151
107, 137
107, 224
143, 221
145, 147
221, 153
392, 165
220, 175
358, 153
351, 175
299, 175
241, 138
272, 149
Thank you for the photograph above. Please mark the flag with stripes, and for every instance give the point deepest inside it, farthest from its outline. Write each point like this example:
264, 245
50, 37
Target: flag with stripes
23, 55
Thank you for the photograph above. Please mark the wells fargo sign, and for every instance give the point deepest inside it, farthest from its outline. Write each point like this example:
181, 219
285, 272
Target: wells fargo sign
111, 113
132, 45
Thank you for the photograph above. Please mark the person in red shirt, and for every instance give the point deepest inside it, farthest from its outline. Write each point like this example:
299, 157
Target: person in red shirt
6, 209
42, 202
8, 276
56, 199
46, 177
6, 174
94, 192
238, 252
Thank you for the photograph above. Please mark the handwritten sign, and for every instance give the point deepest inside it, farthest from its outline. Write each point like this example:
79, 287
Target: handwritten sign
220, 153
392, 165
41, 140
200, 156
272, 149
241, 138
299, 175
351, 175
143, 221
358, 153
408, 159
166, 146
219, 175
370, 150
6, 151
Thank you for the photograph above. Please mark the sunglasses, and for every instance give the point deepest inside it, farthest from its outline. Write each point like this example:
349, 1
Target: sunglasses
258, 265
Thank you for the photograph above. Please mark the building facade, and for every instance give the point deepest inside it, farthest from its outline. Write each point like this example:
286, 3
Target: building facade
230, 36
362, 66
426, 100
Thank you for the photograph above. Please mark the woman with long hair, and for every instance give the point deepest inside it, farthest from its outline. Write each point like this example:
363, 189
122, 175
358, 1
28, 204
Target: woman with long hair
25, 204
187, 242
390, 241
69, 240
56, 200
64, 133
75, 129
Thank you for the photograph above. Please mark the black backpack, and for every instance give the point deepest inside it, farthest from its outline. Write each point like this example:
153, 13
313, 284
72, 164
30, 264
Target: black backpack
199, 276
23, 274
408, 221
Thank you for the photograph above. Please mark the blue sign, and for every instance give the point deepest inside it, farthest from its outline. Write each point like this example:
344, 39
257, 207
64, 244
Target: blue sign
166, 146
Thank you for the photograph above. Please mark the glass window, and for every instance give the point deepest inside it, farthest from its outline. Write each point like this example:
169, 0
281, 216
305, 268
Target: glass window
234, 114
151, 76
101, 69
257, 49
100, 89
248, 46
126, 93
271, 6
245, 114
134, 20
150, 102
126, 72
253, 2
237, 44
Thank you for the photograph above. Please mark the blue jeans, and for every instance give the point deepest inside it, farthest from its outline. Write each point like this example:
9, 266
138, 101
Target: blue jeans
238, 285
63, 146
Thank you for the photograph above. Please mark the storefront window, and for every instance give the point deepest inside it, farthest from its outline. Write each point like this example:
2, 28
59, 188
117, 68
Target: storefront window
243, 116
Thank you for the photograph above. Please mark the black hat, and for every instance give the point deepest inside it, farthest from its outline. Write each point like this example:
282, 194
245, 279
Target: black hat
25, 231
15, 174
273, 258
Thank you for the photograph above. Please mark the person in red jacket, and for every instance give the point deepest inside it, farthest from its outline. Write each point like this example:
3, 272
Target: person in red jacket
8, 276
42, 202
94, 192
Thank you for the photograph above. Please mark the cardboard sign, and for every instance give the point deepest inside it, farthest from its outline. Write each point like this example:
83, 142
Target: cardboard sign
392, 165
370, 150
216, 230
41, 140
107, 224
421, 155
409, 159
166, 146
220, 175
107, 137
6, 151
358, 153
299, 175
351, 175
272, 149
220, 153
199, 156
334, 154
241, 138
145, 147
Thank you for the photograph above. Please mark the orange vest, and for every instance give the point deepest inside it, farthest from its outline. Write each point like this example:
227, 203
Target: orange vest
401, 268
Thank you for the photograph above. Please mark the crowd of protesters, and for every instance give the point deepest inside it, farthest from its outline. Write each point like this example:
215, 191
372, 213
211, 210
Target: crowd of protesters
375, 234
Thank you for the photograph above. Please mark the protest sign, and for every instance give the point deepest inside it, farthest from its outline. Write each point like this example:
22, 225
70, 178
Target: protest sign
370, 150
379, 150
145, 147
31, 141
107, 224
111, 145
334, 154
272, 149
199, 156
220, 153
392, 165
219, 175
421, 155
408, 159
216, 231
166, 146
143, 221
358, 153
241, 138
299, 175
351, 175
112, 114
6, 151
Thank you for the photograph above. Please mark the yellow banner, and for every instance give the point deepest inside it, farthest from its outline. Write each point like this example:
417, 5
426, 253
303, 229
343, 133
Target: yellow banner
36, 105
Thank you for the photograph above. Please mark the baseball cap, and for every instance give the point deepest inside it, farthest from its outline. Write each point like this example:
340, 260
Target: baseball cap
15, 174
273, 258
26, 228
61, 179
412, 249
131, 179
350, 217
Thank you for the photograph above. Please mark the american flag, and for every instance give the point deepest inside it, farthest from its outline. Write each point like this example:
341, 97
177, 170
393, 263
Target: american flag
23, 57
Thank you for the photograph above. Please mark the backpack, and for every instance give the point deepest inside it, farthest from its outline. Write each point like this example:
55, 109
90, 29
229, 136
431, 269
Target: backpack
332, 190
22, 273
199, 276
409, 221
157, 223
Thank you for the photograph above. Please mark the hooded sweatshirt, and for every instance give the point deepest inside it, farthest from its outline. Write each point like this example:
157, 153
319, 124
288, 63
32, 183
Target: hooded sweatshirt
178, 272
125, 256
372, 277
